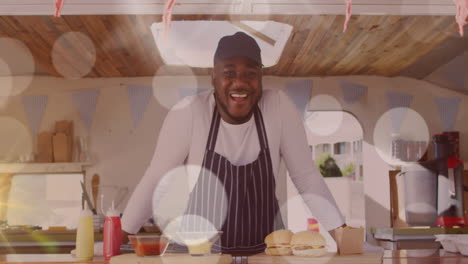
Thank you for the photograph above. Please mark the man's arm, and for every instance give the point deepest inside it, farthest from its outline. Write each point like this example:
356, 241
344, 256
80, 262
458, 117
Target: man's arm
124, 237
302, 170
171, 150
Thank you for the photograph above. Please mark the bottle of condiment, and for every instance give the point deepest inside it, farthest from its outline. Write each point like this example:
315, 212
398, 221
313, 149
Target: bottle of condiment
85, 236
112, 233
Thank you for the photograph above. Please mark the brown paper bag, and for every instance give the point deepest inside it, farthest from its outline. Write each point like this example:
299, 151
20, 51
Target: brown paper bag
350, 240
61, 147
44, 147
66, 127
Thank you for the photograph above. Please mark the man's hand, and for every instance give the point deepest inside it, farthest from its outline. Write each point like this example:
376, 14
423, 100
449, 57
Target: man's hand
125, 237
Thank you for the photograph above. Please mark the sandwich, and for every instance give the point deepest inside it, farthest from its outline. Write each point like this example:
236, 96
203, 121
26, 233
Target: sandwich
308, 244
278, 243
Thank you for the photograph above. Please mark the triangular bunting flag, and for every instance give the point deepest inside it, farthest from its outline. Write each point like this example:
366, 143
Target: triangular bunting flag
85, 101
402, 102
138, 98
352, 92
184, 92
299, 92
399, 100
448, 111
34, 106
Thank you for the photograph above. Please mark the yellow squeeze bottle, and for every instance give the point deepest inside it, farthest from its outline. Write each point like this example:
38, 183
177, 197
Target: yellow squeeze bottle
85, 236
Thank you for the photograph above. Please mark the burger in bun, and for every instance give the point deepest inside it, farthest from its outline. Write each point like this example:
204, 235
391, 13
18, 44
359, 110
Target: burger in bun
308, 244
278, 243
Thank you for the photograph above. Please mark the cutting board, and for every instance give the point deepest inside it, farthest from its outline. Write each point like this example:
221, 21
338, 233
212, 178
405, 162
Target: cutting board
366, 258
171, 259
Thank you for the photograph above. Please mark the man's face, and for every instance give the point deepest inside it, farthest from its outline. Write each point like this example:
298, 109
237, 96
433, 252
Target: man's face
238, 88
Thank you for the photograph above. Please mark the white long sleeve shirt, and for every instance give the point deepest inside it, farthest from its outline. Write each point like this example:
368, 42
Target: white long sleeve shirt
182, 140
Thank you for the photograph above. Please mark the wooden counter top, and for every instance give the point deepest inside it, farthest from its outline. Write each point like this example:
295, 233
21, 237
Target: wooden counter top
390, 233
389, 257
366, 258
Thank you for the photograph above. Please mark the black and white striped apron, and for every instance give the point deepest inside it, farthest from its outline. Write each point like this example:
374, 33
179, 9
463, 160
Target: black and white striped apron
252, 208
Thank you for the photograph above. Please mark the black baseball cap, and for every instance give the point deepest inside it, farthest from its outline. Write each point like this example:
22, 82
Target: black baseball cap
239, 44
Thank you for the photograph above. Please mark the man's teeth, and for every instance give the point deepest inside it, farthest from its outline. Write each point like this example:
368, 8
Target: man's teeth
239, 95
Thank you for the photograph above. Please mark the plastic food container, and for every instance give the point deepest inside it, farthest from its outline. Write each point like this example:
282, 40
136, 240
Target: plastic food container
449, 242
199, 243
149, 245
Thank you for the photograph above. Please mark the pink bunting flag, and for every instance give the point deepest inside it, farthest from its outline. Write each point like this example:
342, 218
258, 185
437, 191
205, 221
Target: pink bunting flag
348, 14
462, 14
58, 7
167, 16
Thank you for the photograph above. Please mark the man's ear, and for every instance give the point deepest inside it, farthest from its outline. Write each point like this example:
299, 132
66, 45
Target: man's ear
213, 75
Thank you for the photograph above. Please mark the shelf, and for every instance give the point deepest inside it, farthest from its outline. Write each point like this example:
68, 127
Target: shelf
398, 167
59, 167
395, 234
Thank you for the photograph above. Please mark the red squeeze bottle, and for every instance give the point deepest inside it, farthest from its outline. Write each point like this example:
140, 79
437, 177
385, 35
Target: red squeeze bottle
112, 234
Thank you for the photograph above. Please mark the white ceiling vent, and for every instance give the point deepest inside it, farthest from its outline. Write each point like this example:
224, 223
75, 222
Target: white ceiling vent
193, 43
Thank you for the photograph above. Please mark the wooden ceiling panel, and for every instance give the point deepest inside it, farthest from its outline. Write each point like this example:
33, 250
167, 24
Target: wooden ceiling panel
125, 47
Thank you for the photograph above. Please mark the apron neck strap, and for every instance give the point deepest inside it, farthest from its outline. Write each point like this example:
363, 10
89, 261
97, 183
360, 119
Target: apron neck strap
214, 127
261, 131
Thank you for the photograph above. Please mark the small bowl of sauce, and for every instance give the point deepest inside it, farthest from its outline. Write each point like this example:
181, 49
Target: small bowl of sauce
149, 245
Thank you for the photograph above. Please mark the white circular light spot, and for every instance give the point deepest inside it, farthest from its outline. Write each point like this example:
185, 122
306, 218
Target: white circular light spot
15, 60
192, 241
6, 83
6, 80
175, 191
325, 116
73, 55
401, 135
17, 142
165, 85
177, 228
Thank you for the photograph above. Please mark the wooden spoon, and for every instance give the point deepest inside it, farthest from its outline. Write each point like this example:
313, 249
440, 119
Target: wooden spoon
95, 188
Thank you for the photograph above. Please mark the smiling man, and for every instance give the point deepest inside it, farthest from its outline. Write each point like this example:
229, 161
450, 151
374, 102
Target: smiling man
237, 77
238, 133
238, 88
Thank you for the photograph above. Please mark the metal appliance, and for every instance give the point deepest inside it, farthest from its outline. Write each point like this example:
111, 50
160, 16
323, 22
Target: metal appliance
449, 180
434, 188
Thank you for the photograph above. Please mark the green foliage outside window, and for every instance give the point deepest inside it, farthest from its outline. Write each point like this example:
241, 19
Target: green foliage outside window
328, 166
349, 169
